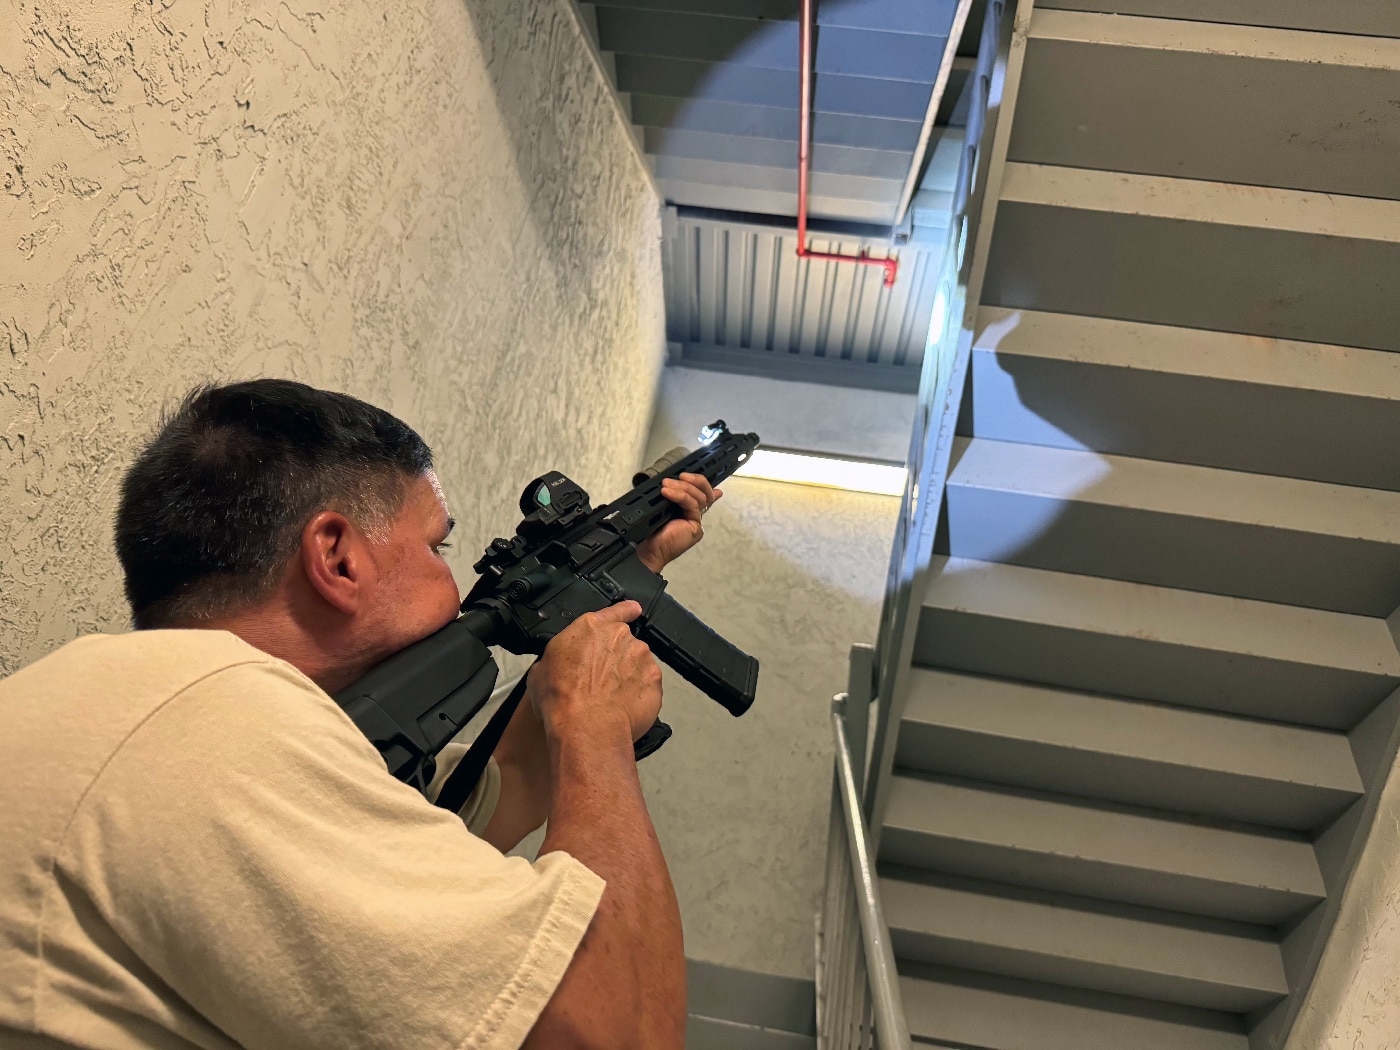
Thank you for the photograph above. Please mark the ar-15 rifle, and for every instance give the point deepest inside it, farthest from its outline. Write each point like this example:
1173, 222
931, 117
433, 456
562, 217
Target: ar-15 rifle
566, 559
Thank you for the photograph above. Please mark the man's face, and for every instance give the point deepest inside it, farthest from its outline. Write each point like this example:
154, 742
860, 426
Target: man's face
415, 593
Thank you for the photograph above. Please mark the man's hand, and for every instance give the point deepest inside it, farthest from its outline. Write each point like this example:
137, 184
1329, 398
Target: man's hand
596, 677
694, 495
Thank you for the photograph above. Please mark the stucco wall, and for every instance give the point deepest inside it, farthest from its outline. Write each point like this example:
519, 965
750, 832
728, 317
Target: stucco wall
427, 203
1354, 1001
793, 575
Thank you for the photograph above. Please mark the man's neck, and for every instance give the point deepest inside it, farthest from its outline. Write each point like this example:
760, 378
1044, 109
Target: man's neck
273, 629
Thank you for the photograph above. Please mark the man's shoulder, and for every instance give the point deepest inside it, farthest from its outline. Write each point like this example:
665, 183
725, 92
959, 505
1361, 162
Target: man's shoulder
146, 666
95, 693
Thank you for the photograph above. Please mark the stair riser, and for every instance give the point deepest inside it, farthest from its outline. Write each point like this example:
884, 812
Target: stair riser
773, 202
1138, 412
1331, 698
773, 122
1226, 118
742, 149
1192, 553
1115, 778
1335, 16
769, 45
741, 175
963, 1009
1077, 973
723, 82
1265, 282
1155, 889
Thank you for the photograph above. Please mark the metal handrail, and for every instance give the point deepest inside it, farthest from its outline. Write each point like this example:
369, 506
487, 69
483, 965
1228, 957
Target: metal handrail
891, 1029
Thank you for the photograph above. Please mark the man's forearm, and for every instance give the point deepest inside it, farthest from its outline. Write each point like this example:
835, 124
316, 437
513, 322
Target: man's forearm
626, 985
523, 759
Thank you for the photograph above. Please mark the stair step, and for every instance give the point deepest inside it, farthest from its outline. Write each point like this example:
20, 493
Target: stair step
1235, 655
1335, 16
1242, 104
1100, 850
1285, 264
778, 121
895, 16
767, 44
750, 176
774, 202
1276, 539
746, 149
1325, 413
753, 86
1129, 751
950, 1007
1073, 941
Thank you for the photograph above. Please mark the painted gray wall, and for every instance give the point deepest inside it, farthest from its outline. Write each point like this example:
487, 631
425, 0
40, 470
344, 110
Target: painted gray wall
431, 204
794, 575
1354, 1000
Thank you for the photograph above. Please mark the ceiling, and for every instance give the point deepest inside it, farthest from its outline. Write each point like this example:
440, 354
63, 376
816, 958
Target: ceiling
712, 90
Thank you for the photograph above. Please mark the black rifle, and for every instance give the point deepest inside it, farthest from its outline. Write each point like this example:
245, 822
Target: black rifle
566, 559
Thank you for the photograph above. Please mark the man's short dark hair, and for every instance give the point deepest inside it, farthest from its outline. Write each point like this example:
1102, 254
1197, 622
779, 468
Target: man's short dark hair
215, 503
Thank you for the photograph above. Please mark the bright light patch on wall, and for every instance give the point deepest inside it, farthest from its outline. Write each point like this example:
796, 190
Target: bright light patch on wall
802, 468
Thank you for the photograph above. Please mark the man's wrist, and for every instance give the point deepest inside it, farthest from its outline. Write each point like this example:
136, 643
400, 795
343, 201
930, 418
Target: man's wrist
598, 726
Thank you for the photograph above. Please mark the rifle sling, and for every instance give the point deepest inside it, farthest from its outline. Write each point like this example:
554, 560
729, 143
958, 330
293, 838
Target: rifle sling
460, 783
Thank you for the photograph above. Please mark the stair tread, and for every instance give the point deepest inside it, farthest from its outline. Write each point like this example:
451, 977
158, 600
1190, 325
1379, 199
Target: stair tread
773, 202
959, 1008
1177, 488
1150, 732
1284, 633
1242, 41
1189, 351
1085, 943
767, 177
1102, 836
840, 160
1195, 200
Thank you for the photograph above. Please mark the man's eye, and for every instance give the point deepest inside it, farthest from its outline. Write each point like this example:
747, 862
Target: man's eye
438, 548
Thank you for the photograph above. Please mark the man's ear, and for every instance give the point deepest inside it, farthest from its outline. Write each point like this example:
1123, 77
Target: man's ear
334, 560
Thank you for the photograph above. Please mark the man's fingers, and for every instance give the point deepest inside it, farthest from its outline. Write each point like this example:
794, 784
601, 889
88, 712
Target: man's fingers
693, 493
622, 612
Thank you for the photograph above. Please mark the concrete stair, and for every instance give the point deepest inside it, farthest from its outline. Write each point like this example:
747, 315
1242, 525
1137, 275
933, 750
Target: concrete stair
1157, 648
1152, 755
1094, 848
1275, 539
1261, 659
1092, 944
967, 1008
1295, 409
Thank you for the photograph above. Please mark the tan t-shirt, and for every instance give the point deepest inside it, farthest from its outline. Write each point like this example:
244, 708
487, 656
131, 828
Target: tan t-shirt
198, 848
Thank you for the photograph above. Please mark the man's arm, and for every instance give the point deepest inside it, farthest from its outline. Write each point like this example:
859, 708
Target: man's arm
523, 759
625, 987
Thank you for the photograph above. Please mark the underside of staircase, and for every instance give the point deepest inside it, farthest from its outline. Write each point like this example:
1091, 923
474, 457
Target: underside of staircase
1153, 693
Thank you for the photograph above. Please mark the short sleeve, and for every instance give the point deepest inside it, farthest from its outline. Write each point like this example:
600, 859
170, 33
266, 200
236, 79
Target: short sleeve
247, 843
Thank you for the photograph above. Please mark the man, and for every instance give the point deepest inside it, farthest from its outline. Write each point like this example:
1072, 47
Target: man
200, 849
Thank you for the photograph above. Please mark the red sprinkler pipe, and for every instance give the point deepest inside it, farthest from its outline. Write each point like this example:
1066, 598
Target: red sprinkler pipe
804, 152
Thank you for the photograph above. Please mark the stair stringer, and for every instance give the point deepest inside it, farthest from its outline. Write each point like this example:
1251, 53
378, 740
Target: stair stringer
1376, 744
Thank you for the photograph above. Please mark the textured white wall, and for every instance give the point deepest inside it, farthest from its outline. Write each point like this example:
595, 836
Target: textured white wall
1354, 1002
793, 575
430, 204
